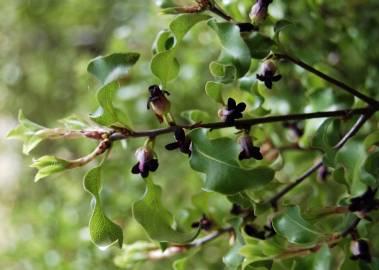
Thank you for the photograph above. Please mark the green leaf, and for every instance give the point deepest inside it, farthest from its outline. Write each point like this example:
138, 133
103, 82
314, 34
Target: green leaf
327, 135
48, 165
164, 64
214, 91
282, 24
195, 116
103, 231
163, 42
112, 67
295, 228
156, 219
218, 160
258, 44
370, 169
234, 50
372, 139
233, 259
27, 131
107, 114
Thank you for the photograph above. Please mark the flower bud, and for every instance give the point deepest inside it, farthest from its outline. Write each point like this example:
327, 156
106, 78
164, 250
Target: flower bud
360, 250
248, 149
158, 102
258, 13
146, 162
267, 73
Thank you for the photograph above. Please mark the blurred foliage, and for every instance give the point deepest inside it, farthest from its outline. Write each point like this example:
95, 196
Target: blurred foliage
45, 46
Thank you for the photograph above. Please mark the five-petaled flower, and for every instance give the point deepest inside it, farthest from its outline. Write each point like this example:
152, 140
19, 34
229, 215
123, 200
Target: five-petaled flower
267, 73
158, 102
183, 142
248, 149
146, 162
232, 111
360, 250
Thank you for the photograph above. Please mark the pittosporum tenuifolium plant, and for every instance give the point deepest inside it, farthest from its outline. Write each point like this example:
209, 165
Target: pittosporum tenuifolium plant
239, 155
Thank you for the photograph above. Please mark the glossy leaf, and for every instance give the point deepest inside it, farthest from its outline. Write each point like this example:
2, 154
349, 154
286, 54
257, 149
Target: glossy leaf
258, 44
156, 219
327, 135
48, 165
234, 50
112, 67
164, 64
218, 160
27, 131
214, 91
295, 228
107, 114
104, 233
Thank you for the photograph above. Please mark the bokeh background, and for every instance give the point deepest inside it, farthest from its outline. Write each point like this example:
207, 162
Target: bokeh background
45, 46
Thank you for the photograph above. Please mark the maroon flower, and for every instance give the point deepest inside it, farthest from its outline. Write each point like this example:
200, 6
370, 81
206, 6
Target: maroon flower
267, 73
204, 223
158, 102
364, 203
146, 162
248, 149
360, 250
183, 142
232, 111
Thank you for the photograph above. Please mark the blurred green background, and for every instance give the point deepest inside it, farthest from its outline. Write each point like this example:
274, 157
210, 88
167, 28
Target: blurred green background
45, 46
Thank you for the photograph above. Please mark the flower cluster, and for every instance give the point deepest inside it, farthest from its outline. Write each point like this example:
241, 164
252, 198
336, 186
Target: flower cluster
248, 149
267, 73
232, 111
183, 142
146, 162
158, 102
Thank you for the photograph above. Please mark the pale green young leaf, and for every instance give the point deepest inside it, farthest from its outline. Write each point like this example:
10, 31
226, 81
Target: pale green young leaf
103, 231
214, 91
48, 165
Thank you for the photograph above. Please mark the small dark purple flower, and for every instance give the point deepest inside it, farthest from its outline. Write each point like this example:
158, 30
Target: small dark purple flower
146, 162
158, 102
236, 209
323, 173
267, 74
232, 111
364, 203
248, 149
205, 223
183, 142
360, 250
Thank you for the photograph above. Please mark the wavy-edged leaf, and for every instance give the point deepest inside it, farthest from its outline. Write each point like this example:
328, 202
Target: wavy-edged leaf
48, 165
103, 231
327, 135
291, 225
195, 116
156, 219
218, 160
234, 50
27, 131
164, 64
107, 114
214, 91
112, 67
